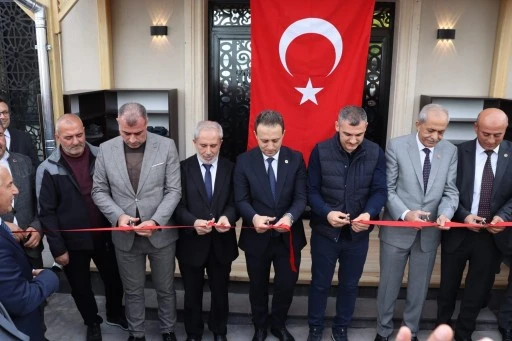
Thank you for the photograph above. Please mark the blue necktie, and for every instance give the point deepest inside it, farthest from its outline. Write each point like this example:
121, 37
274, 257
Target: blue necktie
271, 176
208, 181
426, 169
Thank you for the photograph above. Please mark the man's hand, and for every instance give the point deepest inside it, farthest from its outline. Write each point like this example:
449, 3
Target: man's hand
226, 226
18, 232
34, 238
495, 229
63, 259
261, 223
285, 220
442, 333
474, 219
139, 229
201, 226
338, 219
125, 220
359, 227
441, 221
417, 215
36, 272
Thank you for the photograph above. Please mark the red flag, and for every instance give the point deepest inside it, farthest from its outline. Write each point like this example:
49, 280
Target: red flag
308, 61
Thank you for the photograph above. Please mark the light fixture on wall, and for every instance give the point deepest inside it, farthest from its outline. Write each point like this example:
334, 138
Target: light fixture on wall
158, 30
446, 33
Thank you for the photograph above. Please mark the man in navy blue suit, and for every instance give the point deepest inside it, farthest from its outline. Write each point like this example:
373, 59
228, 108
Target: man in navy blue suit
270, 189
22, 289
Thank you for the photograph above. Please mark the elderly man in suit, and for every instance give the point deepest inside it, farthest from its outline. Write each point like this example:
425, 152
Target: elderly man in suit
137, 183
22, 289
17, 141
483, 179
270, 189
421, 173
24, 213
64, 183
207, 197
346, 184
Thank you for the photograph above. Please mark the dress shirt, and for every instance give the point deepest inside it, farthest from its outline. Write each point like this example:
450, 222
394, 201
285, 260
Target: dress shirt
213, 170
7, 135
480, 159
274, 163
422, 161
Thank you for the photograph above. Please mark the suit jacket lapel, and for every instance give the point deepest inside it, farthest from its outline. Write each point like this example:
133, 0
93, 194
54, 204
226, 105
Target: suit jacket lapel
282, 171
220, 180
15, 171
501, 167
147, 162
414, 155
197, 177
120, 160
437, 158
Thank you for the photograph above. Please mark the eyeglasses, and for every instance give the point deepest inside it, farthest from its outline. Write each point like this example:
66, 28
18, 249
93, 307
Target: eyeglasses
4, 113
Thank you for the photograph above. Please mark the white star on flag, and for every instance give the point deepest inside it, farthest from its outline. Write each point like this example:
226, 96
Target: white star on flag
309, 93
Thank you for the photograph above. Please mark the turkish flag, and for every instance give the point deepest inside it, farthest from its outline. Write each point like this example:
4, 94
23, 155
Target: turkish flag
308, 61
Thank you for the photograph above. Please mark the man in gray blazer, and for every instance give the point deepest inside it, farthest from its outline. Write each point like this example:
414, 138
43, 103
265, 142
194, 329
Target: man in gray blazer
137, 183
421, 174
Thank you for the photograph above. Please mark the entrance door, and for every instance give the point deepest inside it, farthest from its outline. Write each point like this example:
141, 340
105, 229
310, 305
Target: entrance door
230, 72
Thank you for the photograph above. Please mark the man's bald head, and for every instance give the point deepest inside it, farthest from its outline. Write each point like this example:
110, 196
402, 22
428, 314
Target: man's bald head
70, 135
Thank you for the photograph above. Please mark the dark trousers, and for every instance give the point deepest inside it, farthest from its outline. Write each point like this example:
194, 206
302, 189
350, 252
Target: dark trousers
258, 269
505, 313
325, 253
79, 278
193, 282
480, 251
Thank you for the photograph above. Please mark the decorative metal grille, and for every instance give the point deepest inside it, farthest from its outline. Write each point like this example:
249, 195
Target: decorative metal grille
233, 15
19, 78
234, 90
382, 16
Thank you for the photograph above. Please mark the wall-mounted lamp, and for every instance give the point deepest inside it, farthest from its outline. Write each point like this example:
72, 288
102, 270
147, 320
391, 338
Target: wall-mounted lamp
446, 33
158, 30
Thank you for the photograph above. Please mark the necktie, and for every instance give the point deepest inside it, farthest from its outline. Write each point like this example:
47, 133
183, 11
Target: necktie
484, 205
271, 176
208, 181
426, 169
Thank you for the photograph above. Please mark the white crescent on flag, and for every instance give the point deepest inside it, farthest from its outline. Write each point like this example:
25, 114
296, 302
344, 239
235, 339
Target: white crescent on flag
311, 25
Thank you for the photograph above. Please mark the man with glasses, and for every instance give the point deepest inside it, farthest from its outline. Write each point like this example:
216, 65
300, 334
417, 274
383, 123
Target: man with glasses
18, 141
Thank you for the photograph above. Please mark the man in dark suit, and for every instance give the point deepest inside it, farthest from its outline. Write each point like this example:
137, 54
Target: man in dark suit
207, 197
482, 200
270, 190
17, 141
24, 215
22, 289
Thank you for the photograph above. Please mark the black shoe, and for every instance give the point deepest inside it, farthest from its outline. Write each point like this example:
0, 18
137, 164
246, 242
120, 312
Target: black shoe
94, 332
282, 334
118, 321
259, 334
381, 338
506, 334
315, 334
219, 337
133, 338
339, 334
169, 336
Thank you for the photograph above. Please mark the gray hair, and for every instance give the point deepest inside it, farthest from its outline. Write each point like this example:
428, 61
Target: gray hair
67, 118
423, 115
353, 115
131, 112
208, 125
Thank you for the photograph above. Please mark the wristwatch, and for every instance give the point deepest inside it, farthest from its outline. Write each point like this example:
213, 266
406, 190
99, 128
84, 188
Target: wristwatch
289, 215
